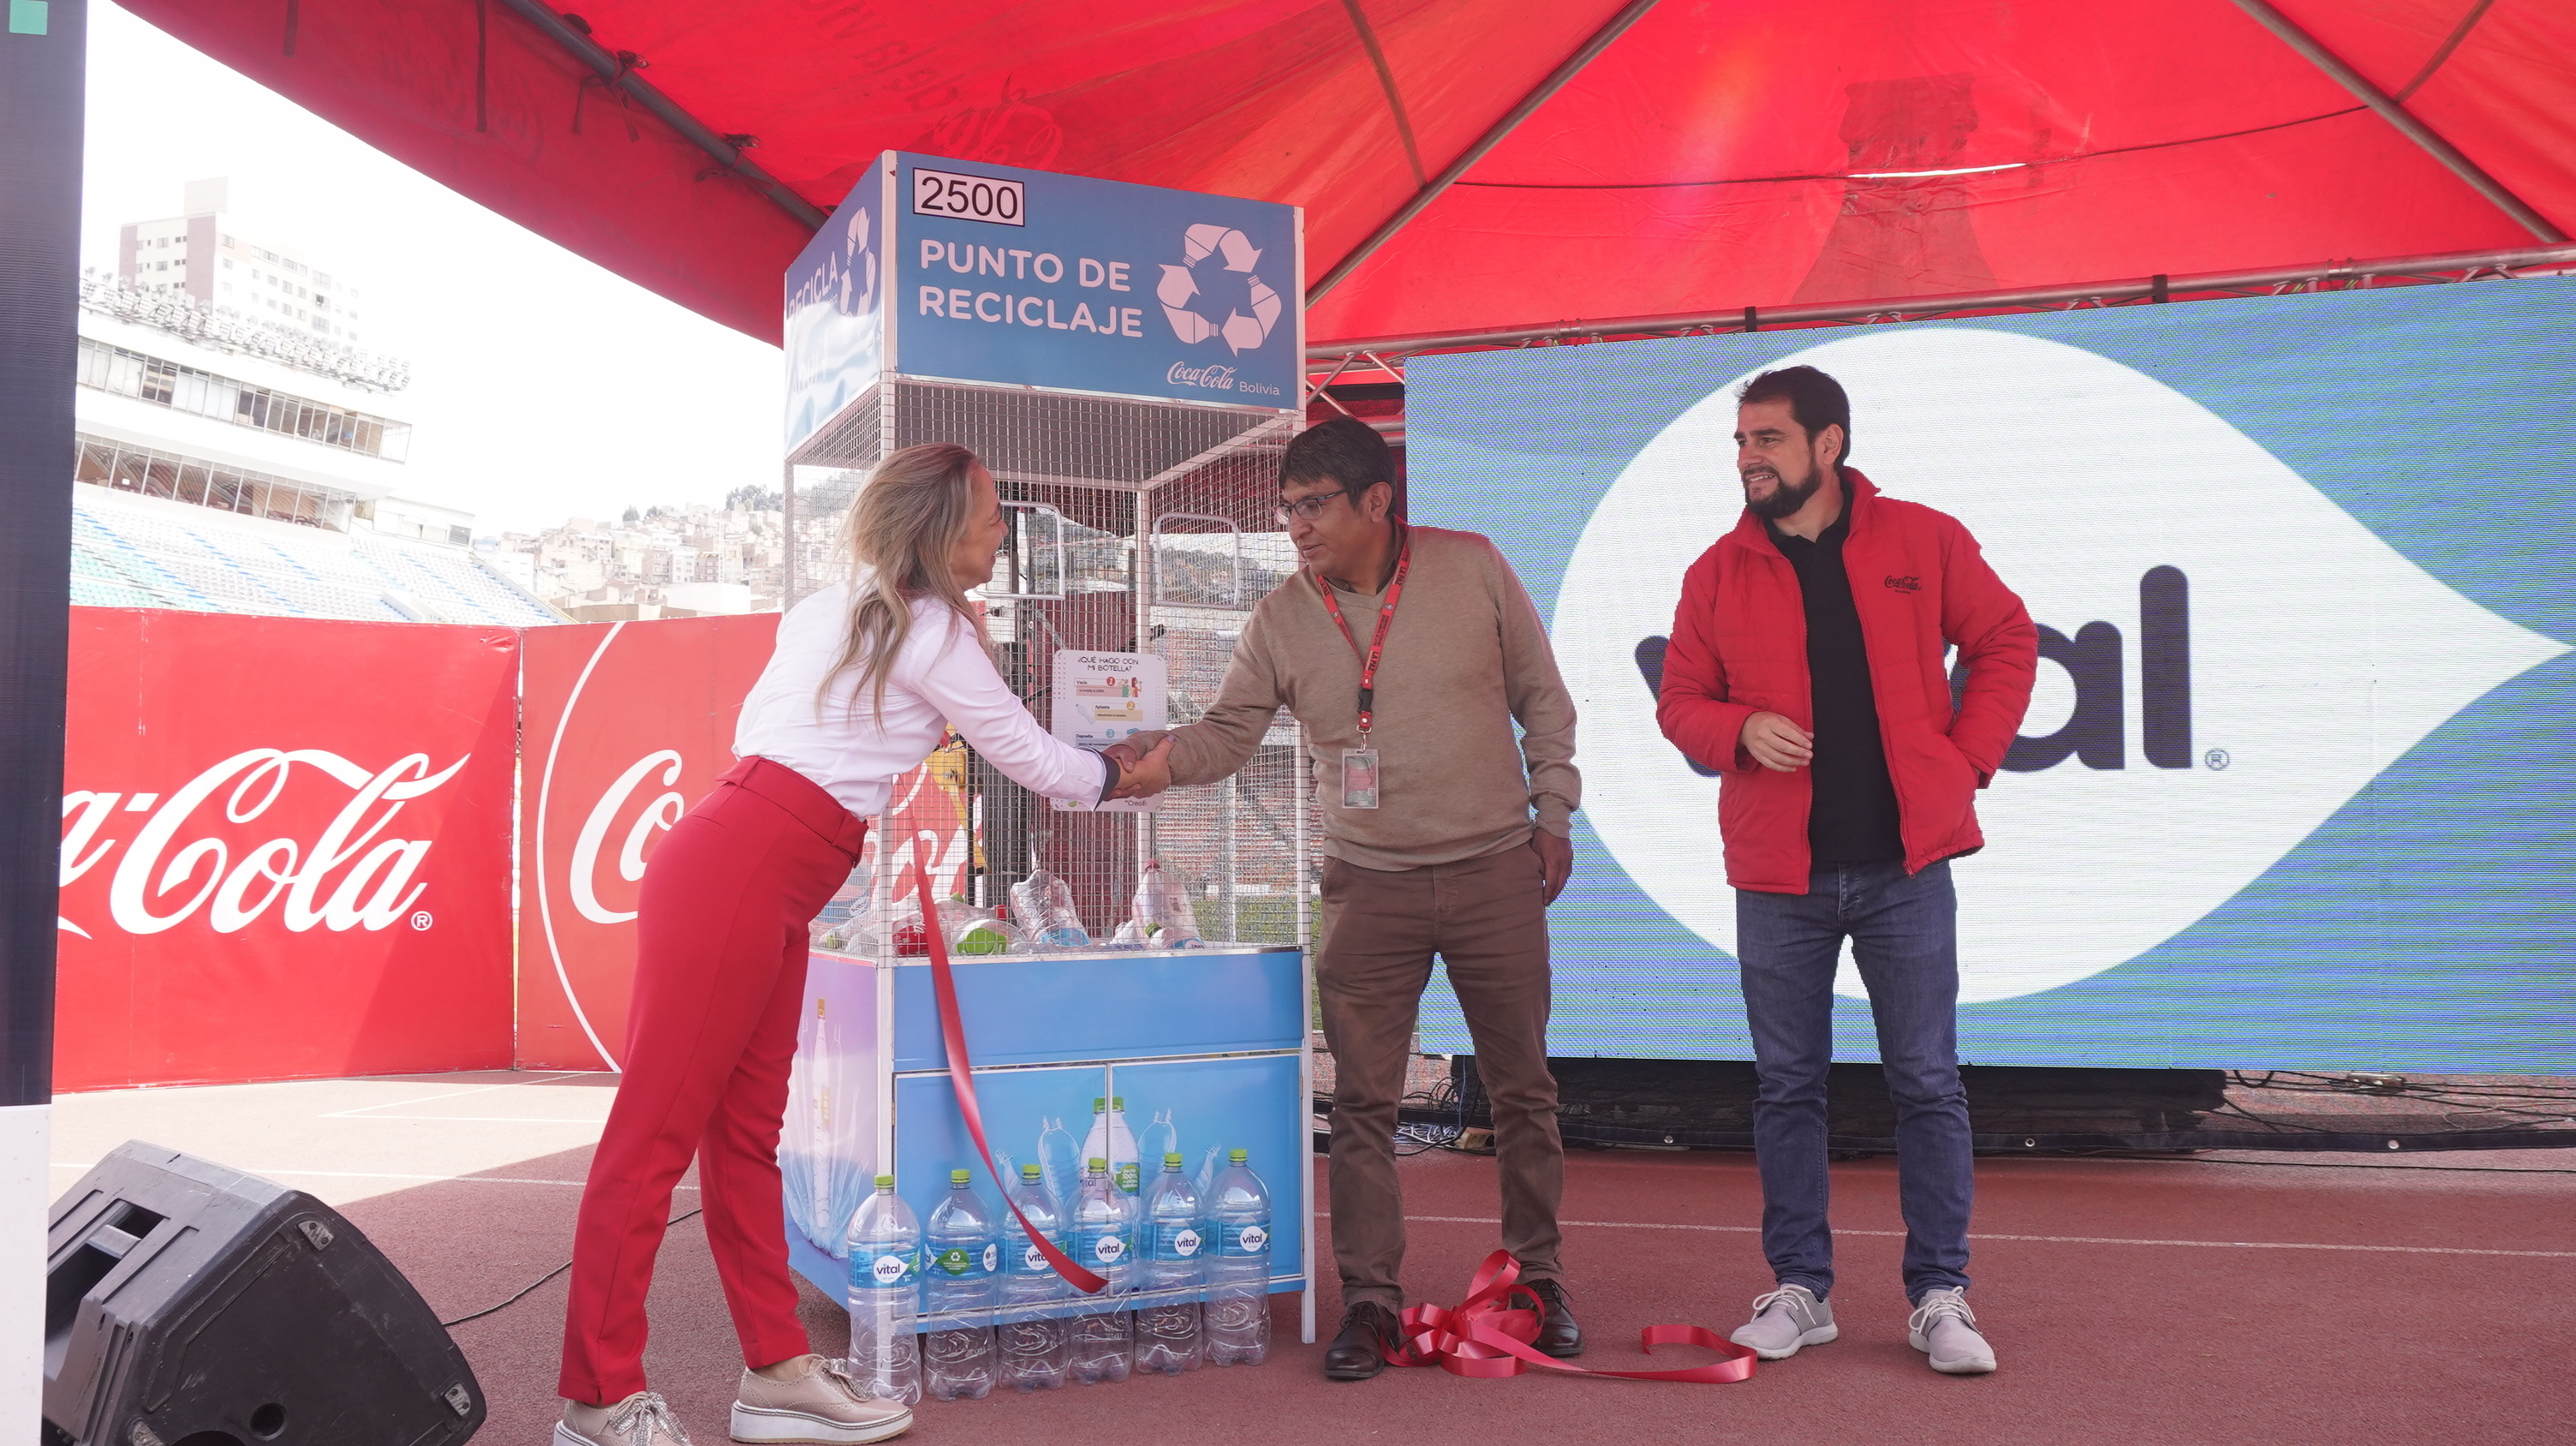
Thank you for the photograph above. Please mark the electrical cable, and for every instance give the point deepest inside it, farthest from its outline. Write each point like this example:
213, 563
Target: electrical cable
542, 1279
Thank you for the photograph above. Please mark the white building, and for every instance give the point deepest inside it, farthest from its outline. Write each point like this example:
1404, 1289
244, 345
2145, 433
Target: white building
199, 254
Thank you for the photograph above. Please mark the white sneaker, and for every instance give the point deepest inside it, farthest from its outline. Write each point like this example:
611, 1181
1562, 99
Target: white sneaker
643, 1419
824, 1406
1943, 1328
1785, 1320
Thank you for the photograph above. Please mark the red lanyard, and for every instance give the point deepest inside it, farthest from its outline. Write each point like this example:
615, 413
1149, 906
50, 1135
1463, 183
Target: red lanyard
1377, 640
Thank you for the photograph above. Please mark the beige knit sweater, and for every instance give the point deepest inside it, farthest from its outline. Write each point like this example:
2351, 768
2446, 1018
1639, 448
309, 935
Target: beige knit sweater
1466, 659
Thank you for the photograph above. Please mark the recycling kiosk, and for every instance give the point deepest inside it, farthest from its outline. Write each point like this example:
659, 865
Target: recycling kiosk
1129, 363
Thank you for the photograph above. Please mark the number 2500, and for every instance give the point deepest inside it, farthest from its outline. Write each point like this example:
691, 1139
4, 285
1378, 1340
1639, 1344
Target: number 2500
967, 198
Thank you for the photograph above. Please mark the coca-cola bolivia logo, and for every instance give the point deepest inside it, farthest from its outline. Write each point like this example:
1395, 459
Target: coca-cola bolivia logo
181, 862
645, 727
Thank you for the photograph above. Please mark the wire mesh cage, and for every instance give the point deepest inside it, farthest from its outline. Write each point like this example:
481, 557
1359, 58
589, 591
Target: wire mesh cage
1133, 526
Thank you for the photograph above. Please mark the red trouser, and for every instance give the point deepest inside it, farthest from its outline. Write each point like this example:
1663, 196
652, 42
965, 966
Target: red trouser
719, 981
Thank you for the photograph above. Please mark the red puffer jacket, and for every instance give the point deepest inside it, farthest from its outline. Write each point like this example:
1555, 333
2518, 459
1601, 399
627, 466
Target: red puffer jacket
1739, 647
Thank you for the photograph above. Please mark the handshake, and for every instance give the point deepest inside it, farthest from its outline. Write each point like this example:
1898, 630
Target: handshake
1144, 764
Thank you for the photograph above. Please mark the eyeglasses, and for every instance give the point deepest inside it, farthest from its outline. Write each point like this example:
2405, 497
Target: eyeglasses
1308, 508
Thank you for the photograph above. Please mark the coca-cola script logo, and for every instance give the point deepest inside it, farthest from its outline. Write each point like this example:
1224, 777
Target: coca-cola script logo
183, 861
628, 725
1214, 378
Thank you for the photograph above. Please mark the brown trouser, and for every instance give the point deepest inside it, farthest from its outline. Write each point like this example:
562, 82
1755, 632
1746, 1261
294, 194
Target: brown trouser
1487, 920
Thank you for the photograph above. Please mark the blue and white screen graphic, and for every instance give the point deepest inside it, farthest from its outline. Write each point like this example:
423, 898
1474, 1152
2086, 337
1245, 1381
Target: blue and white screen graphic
2297, 787
1029, 278
834, 328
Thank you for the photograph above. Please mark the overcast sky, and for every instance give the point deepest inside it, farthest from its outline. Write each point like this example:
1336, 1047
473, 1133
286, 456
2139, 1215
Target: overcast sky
542, 386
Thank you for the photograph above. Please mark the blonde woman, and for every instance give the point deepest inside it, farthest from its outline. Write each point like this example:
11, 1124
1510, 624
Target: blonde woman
865, 678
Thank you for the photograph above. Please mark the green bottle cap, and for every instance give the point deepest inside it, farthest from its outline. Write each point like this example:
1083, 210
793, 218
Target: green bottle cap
1099, 1103
885, 1182
959, 1177
1118, 1102
1029, 1172
1099, 1164
1171, 1162
1236, 1157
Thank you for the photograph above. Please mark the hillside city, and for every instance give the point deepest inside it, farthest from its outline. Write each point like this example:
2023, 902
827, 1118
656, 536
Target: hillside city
654, 562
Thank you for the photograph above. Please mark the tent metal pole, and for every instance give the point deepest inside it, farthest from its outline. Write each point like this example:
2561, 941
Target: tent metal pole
2397, 115
2142, 288
613, 72
1556, 81
43, 68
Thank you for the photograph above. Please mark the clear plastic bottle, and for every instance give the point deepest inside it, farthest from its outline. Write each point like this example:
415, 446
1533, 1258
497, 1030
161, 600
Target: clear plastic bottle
1043, 904
1030, 1341
1160, 1138
1237, 1206
1111, 1140
885, 1295
1174, 1259
1160, 915
1061, 1154
1101, 1236
960, 1276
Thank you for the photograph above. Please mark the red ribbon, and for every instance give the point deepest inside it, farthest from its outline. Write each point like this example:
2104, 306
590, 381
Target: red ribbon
961, 1075
1487, 1337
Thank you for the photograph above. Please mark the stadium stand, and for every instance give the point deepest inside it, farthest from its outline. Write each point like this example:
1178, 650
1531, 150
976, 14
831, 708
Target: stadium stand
136, 551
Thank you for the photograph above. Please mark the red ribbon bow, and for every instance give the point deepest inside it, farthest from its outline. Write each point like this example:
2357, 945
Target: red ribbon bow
1486, 1336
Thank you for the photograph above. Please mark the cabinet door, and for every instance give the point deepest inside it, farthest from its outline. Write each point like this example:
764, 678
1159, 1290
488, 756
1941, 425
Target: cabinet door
1035, 1116
1202, 1108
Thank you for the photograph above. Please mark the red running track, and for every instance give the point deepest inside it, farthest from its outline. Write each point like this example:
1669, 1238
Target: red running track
2150, 1301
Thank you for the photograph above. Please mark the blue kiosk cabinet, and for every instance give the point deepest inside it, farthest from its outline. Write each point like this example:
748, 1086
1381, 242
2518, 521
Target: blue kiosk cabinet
1195, 1051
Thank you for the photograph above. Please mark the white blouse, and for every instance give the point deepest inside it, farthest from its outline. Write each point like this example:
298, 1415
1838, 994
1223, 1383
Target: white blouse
940, 677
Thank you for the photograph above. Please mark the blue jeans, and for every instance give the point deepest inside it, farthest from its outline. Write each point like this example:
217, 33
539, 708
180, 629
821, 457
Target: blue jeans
1904, 933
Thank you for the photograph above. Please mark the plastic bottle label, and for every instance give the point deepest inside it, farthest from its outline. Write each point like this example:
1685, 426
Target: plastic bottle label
1029, 1261
957, 1260
992, 1258
1127, 1177
1177, 1242
1106, 1247
1246, 1240
892, 1270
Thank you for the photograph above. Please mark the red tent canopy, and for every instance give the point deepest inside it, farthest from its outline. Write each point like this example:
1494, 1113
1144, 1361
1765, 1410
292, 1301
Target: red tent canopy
1490, 163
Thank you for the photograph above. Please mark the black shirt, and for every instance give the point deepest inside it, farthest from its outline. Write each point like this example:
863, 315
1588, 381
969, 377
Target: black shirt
1853, 818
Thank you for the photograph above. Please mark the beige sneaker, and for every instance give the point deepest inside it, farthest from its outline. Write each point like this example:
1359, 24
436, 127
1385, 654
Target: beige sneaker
825, 1406
643, 1419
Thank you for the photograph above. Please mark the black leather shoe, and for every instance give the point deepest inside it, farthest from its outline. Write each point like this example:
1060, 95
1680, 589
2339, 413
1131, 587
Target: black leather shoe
1368, 1331
1558, 1335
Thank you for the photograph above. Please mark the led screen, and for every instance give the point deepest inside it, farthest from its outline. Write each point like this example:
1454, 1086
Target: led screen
2298, 783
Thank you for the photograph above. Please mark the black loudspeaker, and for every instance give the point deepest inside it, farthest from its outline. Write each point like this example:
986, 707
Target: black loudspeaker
191, 1305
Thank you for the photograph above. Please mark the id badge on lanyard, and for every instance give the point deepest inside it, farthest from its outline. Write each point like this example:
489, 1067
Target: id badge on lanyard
1361, 779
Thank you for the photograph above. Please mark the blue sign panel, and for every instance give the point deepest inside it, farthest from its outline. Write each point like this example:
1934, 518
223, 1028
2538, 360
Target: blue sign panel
2294, 789
834, 331
963, 272
1035, 279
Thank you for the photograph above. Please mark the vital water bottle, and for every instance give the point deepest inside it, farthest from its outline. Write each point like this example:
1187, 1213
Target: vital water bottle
1238, 1304
1111, 1140
885, 1290
1101, 1236
960, 1274
1031, 1340
1175, 1260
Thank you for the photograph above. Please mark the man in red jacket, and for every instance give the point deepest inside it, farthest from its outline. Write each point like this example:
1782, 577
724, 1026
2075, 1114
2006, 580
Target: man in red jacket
1806, 667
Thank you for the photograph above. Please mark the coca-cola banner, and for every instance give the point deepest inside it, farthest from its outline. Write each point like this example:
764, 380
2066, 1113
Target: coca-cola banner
286, 848
627, 726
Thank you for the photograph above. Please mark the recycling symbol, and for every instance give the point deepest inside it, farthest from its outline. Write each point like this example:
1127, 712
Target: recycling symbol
1251, 307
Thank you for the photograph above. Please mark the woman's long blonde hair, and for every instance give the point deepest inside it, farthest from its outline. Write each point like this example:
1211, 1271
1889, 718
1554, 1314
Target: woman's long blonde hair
902, 529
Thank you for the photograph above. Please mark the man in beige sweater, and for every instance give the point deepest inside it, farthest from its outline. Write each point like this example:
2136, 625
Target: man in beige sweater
1443, 834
